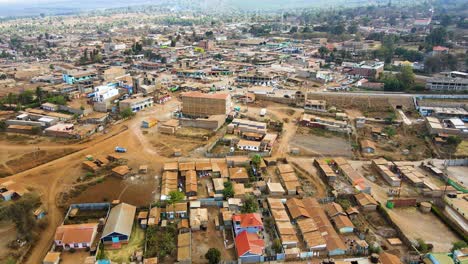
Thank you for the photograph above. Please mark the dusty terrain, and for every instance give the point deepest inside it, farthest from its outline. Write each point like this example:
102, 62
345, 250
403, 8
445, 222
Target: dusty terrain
211, 238
425, 226
59, 175
309, 144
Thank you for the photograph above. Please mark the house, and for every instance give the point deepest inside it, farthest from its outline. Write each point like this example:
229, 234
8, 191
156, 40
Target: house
39, 213
119, 225
52, 258
333, 209
343, 224
49, 107
367, 146
252, 223
198, 218
178, 210
78, 236
191, 187
218, 185
239, 174
249, 145
439, 50
366, 202
297, 209
352, 212
311, 235
275, 188
249, 247
121, 171
136, 103
154, 216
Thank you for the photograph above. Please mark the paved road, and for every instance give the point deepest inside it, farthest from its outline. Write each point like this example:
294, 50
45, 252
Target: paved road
393, 94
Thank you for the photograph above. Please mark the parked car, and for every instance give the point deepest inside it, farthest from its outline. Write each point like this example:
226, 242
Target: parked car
120, 149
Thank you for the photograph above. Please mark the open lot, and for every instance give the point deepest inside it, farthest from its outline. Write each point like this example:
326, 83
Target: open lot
75, 257
459, 174
425, 226
314, 145
136, 192
211, 238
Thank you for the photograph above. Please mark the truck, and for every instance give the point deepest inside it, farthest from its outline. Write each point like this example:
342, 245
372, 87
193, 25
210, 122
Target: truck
263, 112
120, 149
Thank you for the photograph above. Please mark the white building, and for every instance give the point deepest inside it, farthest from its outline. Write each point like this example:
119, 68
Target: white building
104, 92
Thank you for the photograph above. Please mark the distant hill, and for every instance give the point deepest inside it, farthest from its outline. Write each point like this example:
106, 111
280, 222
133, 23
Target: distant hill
56, 7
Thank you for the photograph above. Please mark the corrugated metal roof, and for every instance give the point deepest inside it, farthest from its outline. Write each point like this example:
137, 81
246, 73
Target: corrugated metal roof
120, 220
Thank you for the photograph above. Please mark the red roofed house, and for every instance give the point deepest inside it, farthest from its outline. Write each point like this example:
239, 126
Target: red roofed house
249, 247
252, 223
438, 50
79, 236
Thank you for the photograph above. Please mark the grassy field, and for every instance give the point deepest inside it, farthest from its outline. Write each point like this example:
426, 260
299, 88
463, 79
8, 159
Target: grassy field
123, 254
462, 149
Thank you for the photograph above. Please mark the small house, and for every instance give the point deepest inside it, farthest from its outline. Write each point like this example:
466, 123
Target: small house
249, 247
198, 218
77, 236
367, 146
239, 174
343, 224
121, 171
366, 202
252, 223
275, 188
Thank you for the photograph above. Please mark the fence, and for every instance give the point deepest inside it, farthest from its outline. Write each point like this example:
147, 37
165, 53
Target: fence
456, 162
211, 202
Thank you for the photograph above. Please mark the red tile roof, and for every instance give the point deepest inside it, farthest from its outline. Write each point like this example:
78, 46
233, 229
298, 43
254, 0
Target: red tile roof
248, 242
79, 233
247, 220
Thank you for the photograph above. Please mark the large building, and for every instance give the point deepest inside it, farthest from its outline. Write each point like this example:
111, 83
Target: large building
136, 103
196, 104
75, 76
447, 84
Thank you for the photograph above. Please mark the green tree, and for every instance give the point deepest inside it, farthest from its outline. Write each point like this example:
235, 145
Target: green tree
454, 140
256, 160
277, 246
459, 245
422, 245
21, 213
438, 36
406, 76
127, 113
250, 205
390, 131
175, 197
26, 97
323, 51
39, 94
228, 191
160, 242
101, 254
213, 255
